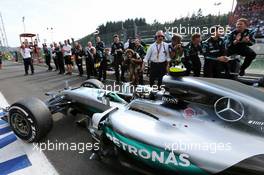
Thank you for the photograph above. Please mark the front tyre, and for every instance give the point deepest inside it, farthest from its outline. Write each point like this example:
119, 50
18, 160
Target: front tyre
30, 119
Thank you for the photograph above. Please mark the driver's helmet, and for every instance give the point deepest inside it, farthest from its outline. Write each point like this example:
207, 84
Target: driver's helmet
177, 71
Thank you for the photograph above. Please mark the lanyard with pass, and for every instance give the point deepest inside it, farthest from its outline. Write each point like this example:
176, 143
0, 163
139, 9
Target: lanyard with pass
158, 50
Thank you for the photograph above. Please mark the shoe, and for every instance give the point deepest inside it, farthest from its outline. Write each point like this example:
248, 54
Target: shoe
26, 74
32, 73
242, 73
60, 73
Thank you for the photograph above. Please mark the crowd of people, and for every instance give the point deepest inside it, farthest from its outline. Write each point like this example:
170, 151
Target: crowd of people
254, 12
131, 57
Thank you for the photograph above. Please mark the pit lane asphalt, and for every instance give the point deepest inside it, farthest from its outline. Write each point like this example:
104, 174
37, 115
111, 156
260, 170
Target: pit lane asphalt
14, 86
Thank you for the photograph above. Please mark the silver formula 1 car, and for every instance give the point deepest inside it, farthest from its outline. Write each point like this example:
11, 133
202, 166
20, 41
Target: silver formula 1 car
191, 126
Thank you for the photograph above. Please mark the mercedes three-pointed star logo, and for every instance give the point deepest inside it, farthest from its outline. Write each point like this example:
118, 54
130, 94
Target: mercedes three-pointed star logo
229, 110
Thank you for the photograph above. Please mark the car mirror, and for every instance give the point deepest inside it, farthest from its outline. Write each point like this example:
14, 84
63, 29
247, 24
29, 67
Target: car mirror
96, 120
99, 117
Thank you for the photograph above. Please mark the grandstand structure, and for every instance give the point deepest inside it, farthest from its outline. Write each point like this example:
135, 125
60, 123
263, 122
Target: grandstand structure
253, 10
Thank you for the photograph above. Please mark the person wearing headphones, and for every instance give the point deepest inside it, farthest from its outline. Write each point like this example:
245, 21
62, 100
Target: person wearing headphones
159, 58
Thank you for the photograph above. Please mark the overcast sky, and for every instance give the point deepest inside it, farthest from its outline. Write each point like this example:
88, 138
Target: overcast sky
77, 18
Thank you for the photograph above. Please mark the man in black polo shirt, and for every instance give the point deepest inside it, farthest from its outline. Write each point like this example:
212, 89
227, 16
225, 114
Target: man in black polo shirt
117, 51
214, 54
191, 59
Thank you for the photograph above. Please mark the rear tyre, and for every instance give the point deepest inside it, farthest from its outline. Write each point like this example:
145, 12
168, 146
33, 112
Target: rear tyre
30, 119
93, 83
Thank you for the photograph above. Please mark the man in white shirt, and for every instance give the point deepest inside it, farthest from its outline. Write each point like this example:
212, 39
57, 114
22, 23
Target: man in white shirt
26, 54
67, 53
158, 58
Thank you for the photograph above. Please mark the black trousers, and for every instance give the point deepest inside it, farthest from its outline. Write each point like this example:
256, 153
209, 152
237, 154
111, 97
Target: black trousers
47, 60
90, 70
79, 64
244, 51
212, 68
61, 65
55, 60
117, 71
28, 63
193, 63
157, 71
102, 70
117, 64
